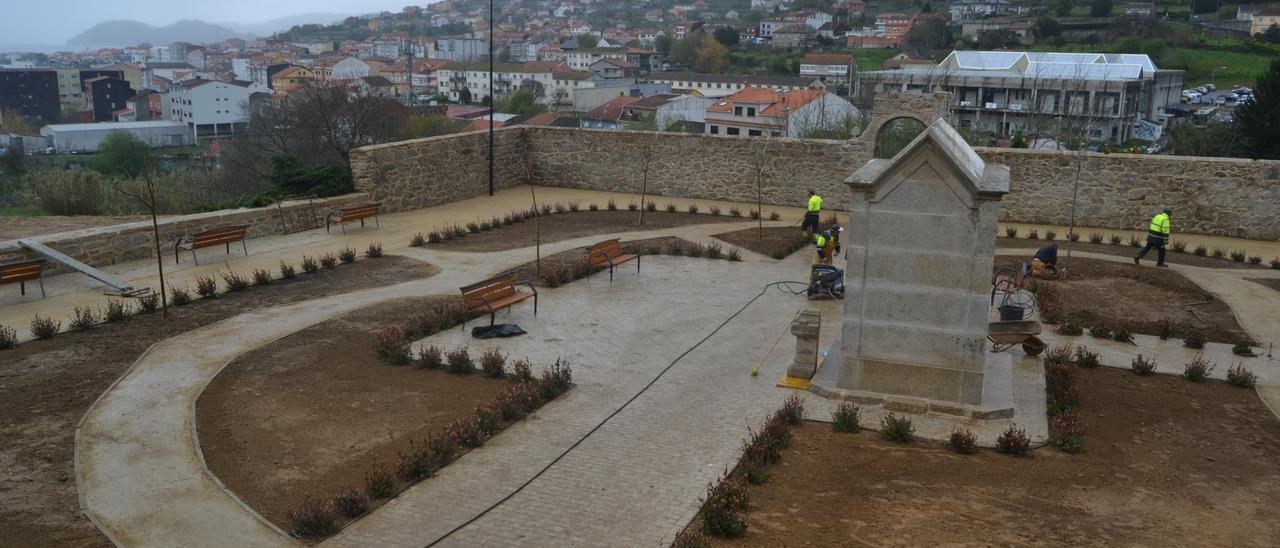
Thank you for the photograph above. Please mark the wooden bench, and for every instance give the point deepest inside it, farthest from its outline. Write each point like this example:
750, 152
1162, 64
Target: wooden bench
346, 214
223, 235
21, 271
497, 293
610, 253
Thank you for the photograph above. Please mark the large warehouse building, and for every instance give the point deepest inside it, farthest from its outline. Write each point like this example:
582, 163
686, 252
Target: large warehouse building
85, 137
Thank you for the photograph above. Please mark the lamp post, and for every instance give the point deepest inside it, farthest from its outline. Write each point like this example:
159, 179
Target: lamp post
491, 98
1213, 76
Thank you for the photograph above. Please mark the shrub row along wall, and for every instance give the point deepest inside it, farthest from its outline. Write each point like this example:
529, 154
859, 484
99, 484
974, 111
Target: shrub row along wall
108, 245
1218, 196
438, 170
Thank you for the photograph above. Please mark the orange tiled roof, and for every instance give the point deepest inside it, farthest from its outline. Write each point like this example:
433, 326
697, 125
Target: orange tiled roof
776, 102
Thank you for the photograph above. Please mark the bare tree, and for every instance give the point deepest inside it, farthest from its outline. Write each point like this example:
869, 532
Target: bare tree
146, 195
526, 168
646, 159
760, 165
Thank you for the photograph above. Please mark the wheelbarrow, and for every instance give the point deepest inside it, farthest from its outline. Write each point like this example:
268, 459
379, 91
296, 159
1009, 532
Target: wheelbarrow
1005, 335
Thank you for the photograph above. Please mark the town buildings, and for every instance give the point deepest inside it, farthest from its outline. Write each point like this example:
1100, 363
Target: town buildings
721, 85
765, 112
210, 108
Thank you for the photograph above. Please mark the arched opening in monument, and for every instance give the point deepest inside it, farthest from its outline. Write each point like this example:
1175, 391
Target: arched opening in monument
895, 134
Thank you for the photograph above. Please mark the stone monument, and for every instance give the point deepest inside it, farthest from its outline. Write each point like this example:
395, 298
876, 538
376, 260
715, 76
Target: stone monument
920, 248
805, 327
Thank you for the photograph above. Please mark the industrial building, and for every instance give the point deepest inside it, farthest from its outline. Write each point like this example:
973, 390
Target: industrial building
65, 138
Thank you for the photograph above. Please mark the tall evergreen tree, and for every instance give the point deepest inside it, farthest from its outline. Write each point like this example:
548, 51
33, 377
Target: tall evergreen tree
1259, 120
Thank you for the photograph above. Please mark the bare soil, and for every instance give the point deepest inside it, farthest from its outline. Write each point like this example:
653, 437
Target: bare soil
566, 226
46, 386
1166, 462
1125, 250
12, 228
1140, 299
776, 239
1273, 283
313, 412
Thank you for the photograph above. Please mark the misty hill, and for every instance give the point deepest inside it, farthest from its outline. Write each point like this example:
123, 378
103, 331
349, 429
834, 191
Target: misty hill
127, 33
285, 23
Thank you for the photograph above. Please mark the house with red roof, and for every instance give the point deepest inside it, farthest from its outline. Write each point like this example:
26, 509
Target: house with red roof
766, 112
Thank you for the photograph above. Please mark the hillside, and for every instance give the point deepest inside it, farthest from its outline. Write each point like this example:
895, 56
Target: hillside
125, 33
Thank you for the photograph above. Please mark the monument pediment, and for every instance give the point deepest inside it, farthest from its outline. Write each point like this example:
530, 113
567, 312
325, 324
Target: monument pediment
945, 151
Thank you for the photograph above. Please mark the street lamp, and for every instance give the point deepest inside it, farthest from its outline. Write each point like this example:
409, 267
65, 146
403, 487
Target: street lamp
1213, 76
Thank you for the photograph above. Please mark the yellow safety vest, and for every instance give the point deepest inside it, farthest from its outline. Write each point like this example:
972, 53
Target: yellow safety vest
815, 203
821, 240
1160, 224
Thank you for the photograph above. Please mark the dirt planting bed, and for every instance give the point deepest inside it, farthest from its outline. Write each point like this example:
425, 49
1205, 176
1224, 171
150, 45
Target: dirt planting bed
12, 228
568, 225
567, 266
312, 412
46, 386
1140, 299
778, 241
1165, 461
1125, 250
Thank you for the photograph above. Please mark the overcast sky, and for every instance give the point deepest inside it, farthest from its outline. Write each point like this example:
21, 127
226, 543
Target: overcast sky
52, 22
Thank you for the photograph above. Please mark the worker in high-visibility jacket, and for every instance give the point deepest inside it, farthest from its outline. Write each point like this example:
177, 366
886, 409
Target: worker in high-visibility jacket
828, 243
1157, 237
812, 212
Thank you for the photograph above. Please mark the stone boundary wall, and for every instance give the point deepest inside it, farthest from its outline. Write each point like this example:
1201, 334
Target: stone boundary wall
439, 170
107, 245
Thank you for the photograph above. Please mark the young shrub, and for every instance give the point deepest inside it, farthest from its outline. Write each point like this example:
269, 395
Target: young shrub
650, 206
714, 210
555, 381
1193, 339
466, 432
1143, 366
1114, 239
671, 208
287, 271
509, 401
378, 483
150, 303
1050, 235
1095, 238
1134, 241
754, 214
896, 429
1197, 369
487, 419
721, 507
1275, 263
690, 539
309, 265
1073, 237
546, 209
573, 206
1242, 349
1122, 334
235, 282
560, 208
1067, 432
1254, 259
522, 371
416, 463
1238, 255
735, 212
1237, 375
44, 328
374, 251
1014, 441
963, 441
459, 362
846, 418
693, 208
1070, 328
1033, 234
8, 337
695, 250
206, 287
714, 251
1011, 232
430, 358
1217, 253
351, 503
393, 345
1200, 251
83, 319
792, 411
1086, 359
1179, 247
632, 206
1101, 331
418, 240
611, 205
485, 226
1062, 391
315, 518
261, 277
116, 311
473, 228
774, 216
328, 260
734, 255
1058, 355
1165, 330
508, 220
493, 364
347, 255
179, 296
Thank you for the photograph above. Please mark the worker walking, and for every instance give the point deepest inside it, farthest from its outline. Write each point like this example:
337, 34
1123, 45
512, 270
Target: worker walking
828, 243
1157, 237
813, 211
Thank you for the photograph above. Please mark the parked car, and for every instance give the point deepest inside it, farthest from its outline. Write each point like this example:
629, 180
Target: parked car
1242, 90
1220, 100
1211, 87
1202, 90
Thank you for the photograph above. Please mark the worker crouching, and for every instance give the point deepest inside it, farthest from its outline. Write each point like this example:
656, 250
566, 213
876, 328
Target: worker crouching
828, 243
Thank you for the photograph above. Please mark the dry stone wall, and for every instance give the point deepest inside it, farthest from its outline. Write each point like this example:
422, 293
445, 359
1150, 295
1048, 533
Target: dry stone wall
106, 245
438, 170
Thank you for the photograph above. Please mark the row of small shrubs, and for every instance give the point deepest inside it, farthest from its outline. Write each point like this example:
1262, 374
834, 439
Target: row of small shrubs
1034, 234
85, 318
562, 274
1239, 256
727, 497
394, 341
1191, 337
318, 517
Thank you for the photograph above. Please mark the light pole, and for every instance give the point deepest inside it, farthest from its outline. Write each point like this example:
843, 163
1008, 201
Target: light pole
492, 102
1213, 76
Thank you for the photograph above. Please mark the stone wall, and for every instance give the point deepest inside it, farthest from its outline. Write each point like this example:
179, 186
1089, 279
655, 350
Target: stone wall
106, 245
438, 170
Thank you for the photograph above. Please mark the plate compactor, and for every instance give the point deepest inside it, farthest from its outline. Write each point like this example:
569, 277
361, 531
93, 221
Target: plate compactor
826, 280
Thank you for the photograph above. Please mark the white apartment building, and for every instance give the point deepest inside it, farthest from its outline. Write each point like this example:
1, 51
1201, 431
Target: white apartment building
581, 59
211, 108
474, 77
